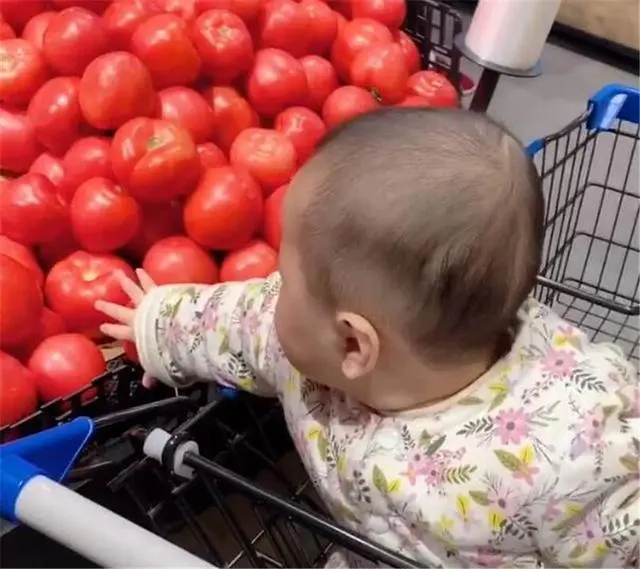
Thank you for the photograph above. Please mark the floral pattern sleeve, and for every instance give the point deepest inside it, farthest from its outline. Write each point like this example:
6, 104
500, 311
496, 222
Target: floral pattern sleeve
223, 333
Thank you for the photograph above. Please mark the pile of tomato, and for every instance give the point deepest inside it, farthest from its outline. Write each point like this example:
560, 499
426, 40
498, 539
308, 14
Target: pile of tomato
163, 134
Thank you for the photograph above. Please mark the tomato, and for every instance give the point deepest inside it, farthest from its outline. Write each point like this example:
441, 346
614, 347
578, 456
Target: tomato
355, 36
18, 12
184, 9
342, 8
346, 103
155, 160
108, 103
225, 210
31, 212
323, 26
87, 158
23, 255
162, 43
341, 21
77, 281
189, 109
158, 221
253, 261
414, 101
18, 395
303, 127
130, 352
321, 80
97, 6
64, 364
178, 259
17, 141
434, 87
104, 217
121, 19
54, 112
272, 226
23, 71
36, 27
269, 156
391, 13
284, 25
248, 10
382, 69
20, 301
51, 167
233, 114
51, 253
211, 156
224, 44
277, 81
409, 50
6, 31
73, 39
51, 324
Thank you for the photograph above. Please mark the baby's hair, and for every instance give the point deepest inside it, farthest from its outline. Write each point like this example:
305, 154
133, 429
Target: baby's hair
430, 221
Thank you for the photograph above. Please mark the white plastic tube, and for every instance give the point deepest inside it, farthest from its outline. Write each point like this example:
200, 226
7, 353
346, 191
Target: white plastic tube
93, 531
511, 33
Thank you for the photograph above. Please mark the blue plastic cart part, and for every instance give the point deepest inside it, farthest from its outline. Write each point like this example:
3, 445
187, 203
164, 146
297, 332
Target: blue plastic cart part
51, 453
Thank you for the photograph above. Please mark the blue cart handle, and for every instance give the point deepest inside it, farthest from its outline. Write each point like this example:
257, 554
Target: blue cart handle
614, 102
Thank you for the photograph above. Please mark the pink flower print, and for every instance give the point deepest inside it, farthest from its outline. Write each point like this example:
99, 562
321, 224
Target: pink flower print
488, 557
210, 316
504, 500
552, 512
526, 472
431, 468
176, 334
252, 322
512, 425
592, 427
589, 531
411, 473
559, 363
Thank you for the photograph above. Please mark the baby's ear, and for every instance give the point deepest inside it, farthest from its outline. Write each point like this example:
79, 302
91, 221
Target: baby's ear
361, 344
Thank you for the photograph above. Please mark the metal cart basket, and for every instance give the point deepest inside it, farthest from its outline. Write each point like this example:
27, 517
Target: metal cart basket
223, 488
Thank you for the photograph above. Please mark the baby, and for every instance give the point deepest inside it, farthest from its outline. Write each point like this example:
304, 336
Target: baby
438, 408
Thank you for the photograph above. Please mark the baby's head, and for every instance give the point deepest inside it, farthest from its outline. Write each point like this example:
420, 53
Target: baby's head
411, 238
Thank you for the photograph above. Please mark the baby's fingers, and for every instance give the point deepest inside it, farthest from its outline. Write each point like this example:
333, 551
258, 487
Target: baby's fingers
132, 290
117, 331
146, 282
122, 314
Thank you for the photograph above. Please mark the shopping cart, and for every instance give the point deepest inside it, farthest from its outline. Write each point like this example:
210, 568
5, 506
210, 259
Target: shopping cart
223, 487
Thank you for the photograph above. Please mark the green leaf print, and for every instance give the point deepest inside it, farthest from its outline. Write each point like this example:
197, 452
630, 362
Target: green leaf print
459, 475
223, 348
498, 400
629, 462
323, 447
480, 498
425, 439
435, 445
578, 551
380, 480
509, 460
471, 401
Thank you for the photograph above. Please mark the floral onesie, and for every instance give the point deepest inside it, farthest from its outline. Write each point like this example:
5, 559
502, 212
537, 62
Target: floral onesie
535, 462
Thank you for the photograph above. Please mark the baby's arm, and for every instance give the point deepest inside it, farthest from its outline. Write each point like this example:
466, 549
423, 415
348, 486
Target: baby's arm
223, 333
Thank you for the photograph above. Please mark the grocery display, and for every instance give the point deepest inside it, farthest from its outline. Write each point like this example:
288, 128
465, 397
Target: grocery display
164, 134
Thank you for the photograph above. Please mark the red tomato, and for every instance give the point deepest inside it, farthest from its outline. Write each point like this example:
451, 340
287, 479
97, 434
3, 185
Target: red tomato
354, 37
323, 26
54, 112
225, 210
155, 160
158, 221
6, 31
51, 253
51, 167
269, 156
18, 12
285, 25
31, 212
391, 13
87, 158
162, 43
346, 103
23, 71
130, 352
272, 227
341, 21
77, 281
184, 9
178, 259
18, 395
23, 255
97, 6
36, 27
103, 216
414, 101
211, 156
434, 87
382, 69
17, 141
342, 8
64, 364
277, 81
409, 50
20, 301
321, 80
255, 260
121, 20
189, 109
233, 114
73, 39
248, 10
107, 103
224, 44
303, 127
51, 324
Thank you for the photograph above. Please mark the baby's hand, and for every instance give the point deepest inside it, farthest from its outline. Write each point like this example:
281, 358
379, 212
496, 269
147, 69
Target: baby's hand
125, 315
